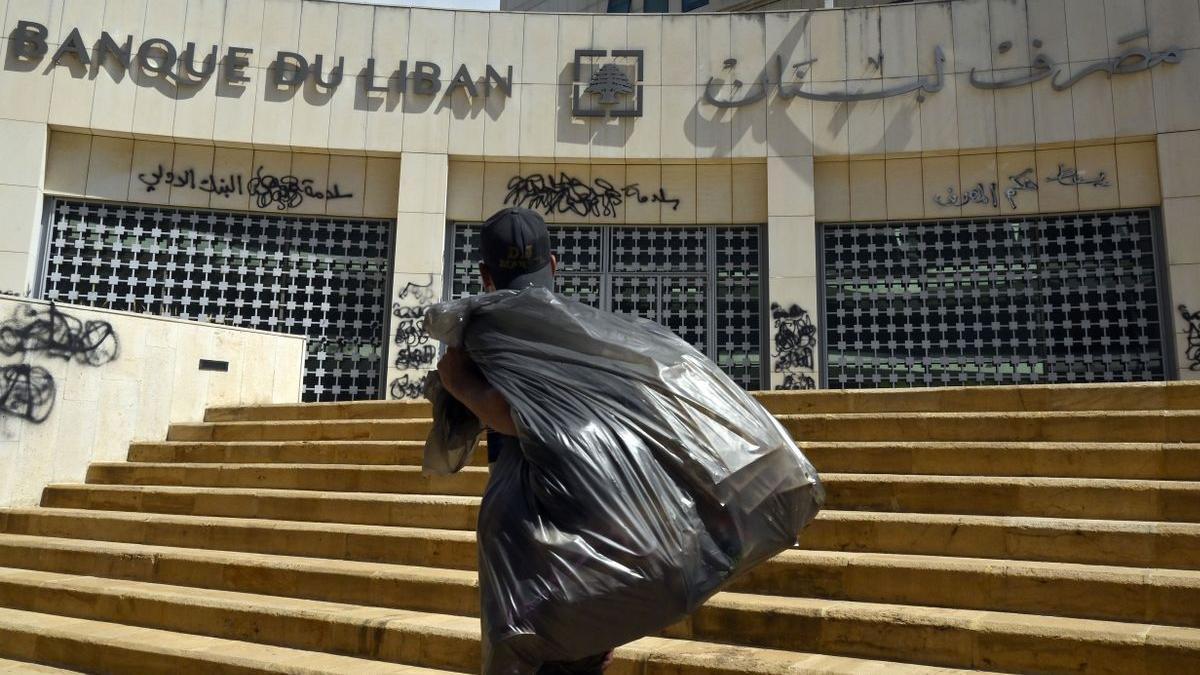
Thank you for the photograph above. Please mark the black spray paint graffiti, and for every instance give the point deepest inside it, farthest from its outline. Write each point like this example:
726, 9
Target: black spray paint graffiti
567, 194
412, 345
27, 392
58, 335
795, 339
406, 386
284, 192
1193, 337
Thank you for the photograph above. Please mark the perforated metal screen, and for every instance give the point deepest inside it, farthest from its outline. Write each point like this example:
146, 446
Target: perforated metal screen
701, 282
1022, 299
322, 277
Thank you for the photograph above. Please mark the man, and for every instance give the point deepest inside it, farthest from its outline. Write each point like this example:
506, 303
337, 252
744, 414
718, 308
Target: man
515, 246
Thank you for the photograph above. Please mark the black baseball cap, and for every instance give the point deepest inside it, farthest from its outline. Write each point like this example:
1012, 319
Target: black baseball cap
516, 248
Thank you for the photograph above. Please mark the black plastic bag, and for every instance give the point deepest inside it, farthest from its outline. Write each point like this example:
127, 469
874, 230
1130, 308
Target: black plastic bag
647, 479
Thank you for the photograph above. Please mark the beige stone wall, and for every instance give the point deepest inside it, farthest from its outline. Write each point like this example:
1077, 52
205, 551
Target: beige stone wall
102, 403
128, 169
906, 188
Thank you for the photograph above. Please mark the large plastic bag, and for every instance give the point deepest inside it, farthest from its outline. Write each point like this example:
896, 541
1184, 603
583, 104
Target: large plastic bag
647, 480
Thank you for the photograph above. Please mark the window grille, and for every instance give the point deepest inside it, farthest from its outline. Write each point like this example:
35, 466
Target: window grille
1013, 300
321, 277
701, 282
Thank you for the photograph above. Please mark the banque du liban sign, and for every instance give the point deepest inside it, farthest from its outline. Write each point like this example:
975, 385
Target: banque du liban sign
192, 66
613, 88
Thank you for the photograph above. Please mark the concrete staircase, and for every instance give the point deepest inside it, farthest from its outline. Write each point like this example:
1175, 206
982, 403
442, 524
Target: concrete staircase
1035, 529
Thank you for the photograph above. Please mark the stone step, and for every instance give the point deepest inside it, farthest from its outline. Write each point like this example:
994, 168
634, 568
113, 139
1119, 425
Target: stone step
1131, 396
104, 647
1153, 461
425, 589
454, 549
426, 639
1028, 398
935, 636
307, 430
945, 637
8, 667
366, 508
1123, 543
1102, 542
356, 410
1169, 501
1105, 426
288, 452
1083, 591
1149, 461
1154, 426
328, 477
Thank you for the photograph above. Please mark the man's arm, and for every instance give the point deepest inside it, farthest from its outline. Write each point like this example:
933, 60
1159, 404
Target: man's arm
463, 380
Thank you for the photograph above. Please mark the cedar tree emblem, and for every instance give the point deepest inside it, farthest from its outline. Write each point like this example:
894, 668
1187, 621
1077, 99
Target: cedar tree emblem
608, 82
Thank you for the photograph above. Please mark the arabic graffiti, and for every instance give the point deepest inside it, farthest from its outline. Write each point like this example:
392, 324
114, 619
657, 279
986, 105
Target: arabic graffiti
57, 335
27, 391
1069, 176
980, 194
406, 387
413, 350
795, 340
986, 194
567, 194
286, 192
1132, 60
1193, 337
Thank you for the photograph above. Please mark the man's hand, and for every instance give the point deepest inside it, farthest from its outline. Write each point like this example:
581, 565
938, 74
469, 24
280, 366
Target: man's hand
463, 380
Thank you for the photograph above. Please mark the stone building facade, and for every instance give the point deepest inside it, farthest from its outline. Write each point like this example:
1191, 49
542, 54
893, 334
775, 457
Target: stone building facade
930, 193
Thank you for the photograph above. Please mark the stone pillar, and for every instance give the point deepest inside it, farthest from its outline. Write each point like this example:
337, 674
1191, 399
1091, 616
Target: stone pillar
1179, 174
417, 273
22, 179
793, 361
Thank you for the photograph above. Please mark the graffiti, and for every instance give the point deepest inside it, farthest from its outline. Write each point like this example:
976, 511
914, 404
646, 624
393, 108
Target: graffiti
796, 382
26, 392
286, 192
58, 335
795, 340
980, 194
1070, 177
406, 387
1193, 337
567, 194
1023, 181
412, 348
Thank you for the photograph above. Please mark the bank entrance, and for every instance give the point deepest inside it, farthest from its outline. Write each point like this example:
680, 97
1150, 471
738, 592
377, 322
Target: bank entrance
1063, 298
321, 277
704, 282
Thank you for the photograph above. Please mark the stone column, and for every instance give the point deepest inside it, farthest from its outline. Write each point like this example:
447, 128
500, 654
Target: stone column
1179, 174
417, 273
793, 361
22, 179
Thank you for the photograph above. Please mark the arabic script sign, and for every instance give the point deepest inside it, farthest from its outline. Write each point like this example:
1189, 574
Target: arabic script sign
1129, 61
282, 192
